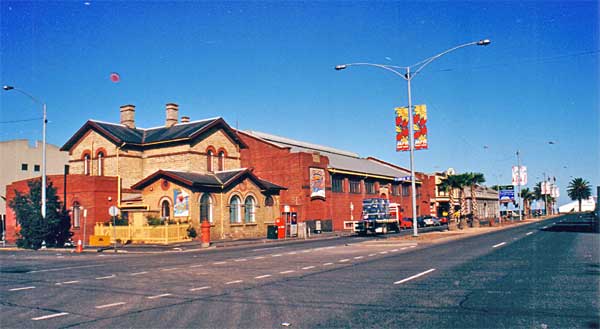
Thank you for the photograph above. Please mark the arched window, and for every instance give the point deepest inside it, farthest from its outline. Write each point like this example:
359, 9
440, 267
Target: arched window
165, 209
100, 163
249, 209
86, 164
209, 160
76, 214
234, 210
206, 207
221, 161
269, 202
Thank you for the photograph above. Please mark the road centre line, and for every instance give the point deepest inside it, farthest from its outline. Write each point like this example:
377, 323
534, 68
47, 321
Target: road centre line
67, 282
499, 245
371, 255
200, 288
21, 288
110, 305
308, 267
307, 250
359, 257
106, 277
158, 296
63, 268
198, 265
271, 248
49, 316
138, 273
327, 264
292, 253
236, 281
276, 255
404, 248
287, 272
258, 257
169, 269
344, 260
415, 276
240, 260
383, 252
219, 263
262, 276
393, 250
529, 233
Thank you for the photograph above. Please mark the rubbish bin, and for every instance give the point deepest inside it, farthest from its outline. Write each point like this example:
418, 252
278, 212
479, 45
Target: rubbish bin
272, 232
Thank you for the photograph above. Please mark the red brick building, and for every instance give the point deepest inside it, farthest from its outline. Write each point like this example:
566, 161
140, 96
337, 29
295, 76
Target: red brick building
347, 179
87, 199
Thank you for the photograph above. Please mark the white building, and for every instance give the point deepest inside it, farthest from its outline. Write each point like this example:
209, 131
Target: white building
586, 205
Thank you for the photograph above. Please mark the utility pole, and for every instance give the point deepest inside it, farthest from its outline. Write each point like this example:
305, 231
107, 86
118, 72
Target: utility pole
519, 182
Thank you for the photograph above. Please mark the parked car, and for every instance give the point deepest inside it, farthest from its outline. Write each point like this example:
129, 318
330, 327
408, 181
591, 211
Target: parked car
421, 221
436, 221
406, 223
444, 220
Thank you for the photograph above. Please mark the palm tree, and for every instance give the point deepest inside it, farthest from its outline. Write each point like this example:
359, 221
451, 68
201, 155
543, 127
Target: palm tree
528, 196
579, 189
450, 184
473, 179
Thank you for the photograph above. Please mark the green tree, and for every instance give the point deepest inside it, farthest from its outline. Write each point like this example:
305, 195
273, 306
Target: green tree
579, 189
528, 196
472, 180
450, 184
54, 229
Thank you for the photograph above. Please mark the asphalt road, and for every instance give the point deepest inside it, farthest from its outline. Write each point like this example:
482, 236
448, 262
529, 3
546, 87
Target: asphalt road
542, 275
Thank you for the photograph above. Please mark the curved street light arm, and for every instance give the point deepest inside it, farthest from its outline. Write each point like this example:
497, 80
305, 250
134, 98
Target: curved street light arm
420, 65
24, 93
390, 68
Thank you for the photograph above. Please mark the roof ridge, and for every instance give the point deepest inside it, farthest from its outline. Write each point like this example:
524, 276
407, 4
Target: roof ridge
300, 144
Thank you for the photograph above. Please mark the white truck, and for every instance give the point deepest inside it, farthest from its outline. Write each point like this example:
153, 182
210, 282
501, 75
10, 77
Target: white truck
379, 216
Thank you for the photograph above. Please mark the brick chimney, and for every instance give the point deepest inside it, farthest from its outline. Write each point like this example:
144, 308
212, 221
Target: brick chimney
185, 119
128, 116
172, 115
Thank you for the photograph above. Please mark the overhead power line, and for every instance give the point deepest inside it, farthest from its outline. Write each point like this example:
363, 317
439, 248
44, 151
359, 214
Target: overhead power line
22, 120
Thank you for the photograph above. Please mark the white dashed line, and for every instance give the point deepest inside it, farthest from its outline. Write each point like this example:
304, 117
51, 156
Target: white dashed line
404, 248
22, 288
62, 268
307, 250
412, 246
393, 250
67, 282
344, 260
49, 316
262, 276
414, 276
219, 263
499, 245
383, 252
169, 269
236, 281
529, 233
200, 288
259, 257
199, 265
276, 255
158, 296
327, 264
292, 253
308, 267
106, 277
138, 273
286, 272
359, 257
371, 255
240, 260
271, 248
545, 227
110, 305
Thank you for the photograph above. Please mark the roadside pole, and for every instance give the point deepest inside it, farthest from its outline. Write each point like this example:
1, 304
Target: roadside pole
519, 182
114, 211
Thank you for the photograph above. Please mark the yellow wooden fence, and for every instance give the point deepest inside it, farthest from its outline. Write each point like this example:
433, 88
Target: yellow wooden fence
163, 234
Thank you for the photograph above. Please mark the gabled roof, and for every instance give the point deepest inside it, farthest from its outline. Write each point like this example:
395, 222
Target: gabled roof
141, 137
221, 179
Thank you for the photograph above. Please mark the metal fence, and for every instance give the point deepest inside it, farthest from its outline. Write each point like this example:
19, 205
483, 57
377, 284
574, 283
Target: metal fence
163, 234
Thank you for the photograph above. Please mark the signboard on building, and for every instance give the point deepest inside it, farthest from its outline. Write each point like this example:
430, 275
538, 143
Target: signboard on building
317, 183
182, 203
519, 175
506, 194
419, 127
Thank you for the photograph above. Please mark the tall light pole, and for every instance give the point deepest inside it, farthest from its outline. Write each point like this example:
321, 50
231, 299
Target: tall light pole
408, 76
45, 121
519, 182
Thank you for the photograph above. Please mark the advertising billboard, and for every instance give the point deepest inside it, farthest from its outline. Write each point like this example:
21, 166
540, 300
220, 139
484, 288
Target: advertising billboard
419, 128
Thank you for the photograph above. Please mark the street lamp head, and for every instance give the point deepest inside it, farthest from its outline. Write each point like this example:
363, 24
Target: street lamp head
8, 87
483, 42
340, 67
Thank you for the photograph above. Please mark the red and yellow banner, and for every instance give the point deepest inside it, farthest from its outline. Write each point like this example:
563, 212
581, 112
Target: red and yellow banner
419, 127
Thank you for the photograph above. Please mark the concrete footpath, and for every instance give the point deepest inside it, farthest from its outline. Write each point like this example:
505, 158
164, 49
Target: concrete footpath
438, 236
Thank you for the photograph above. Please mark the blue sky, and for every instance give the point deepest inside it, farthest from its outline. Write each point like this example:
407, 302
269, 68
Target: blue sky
268, 66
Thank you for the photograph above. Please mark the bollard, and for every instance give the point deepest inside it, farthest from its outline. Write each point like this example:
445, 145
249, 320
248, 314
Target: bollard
79, 248
205, 234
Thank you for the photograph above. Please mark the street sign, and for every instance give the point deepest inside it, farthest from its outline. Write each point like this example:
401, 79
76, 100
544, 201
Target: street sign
506, 193
402, 179
113, 211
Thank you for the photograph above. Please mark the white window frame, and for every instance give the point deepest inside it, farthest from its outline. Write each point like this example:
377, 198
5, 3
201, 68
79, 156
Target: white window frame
252, 212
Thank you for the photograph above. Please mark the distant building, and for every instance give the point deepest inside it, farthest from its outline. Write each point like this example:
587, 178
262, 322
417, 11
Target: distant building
21, 160
586, 205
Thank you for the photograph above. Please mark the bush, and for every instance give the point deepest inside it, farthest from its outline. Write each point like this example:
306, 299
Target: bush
192, 232
120, 221
154, 221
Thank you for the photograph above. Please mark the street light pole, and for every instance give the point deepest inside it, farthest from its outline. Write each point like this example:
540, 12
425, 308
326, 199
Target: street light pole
408, 76
519, 182
45, 121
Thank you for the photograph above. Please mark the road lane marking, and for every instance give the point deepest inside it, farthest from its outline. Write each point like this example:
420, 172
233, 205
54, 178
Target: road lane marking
270, 248
262, 276
308, 267
412, 246
240, 260
545, 227
219, 263
21, 288
200, 288
359, 257
344, 260
236, 281
327, 264
371, 255
199, 265
404, 248
499, 245
110, 305
62, 268
158, 296
529, 233
169, 269
67, 282
393, 250
307, 250
106, 277
138, 273
259, 257
292, 253
415, 276
288, 271
383, 252
49, 316
276, 255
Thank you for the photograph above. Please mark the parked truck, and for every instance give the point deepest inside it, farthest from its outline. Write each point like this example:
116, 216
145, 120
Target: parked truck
379, 216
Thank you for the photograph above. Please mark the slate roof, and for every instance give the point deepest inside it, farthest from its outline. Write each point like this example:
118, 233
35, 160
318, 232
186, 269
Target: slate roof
338, 159
141, 137
222, 179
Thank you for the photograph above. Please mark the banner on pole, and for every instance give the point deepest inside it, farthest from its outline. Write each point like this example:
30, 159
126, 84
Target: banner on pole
519, 175
419, 128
